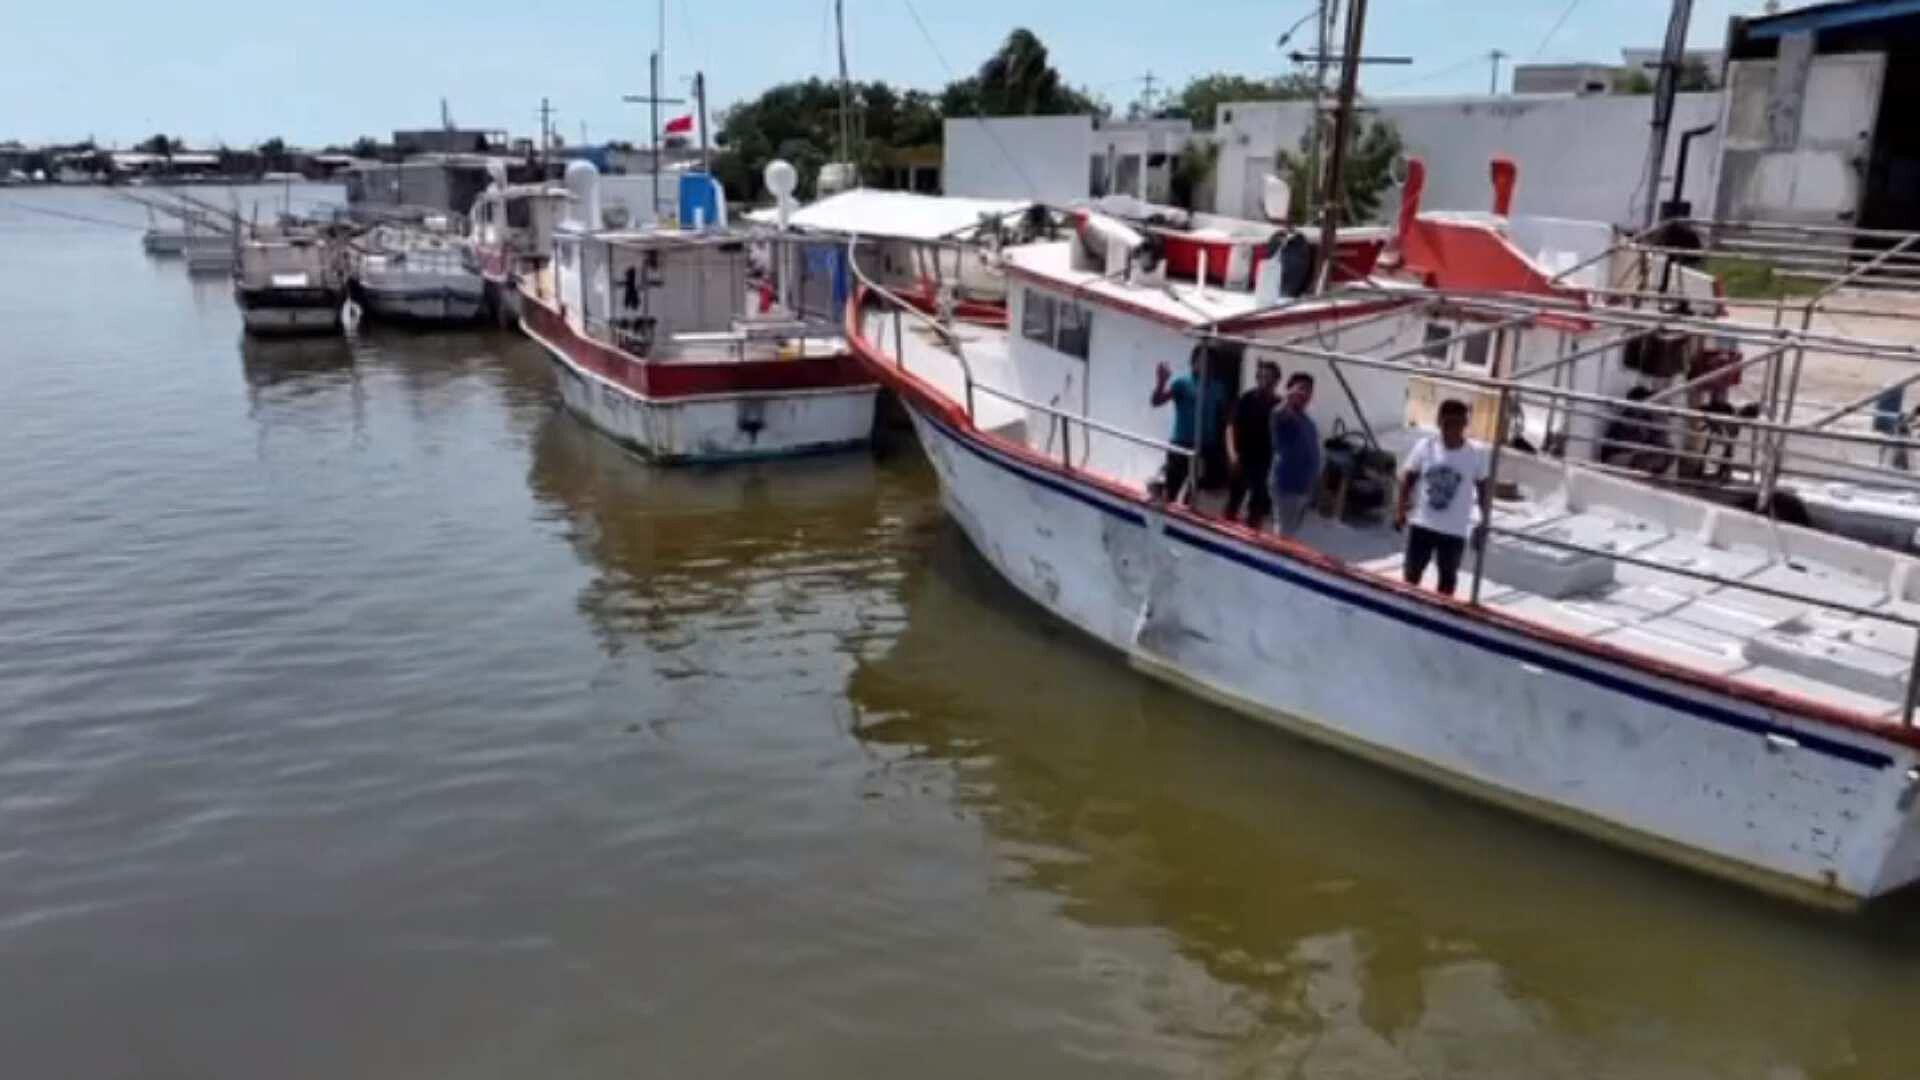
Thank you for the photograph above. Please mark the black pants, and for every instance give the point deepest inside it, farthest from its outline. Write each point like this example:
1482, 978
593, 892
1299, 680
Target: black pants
1178, 466
1248, 485
1424, 546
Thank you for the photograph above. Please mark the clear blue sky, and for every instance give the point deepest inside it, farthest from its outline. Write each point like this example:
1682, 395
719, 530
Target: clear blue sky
313, 73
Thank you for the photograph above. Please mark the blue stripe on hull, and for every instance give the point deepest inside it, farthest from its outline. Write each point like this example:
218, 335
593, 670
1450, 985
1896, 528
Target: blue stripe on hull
1652, 694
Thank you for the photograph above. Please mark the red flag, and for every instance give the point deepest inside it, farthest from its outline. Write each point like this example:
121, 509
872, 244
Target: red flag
680, 125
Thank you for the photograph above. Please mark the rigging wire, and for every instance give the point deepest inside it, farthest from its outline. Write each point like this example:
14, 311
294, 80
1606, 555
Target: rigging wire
1032, 188
1540, 49
70, 216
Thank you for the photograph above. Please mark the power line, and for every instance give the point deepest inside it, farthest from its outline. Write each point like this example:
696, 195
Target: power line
1557, 24
1476, 58
1032, 188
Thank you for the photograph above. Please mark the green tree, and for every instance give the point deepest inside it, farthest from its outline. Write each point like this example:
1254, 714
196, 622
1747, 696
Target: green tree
366, 147
1201, 98
157, 144
800, 121
1017, 80
274, 156
1194, 174
1366, 177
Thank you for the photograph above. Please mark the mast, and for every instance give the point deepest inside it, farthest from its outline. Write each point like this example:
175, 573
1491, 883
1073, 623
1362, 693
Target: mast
1333, 204
846, 107
1672, 53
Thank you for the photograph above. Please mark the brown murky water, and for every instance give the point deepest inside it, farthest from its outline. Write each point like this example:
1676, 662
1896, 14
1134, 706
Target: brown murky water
361, 714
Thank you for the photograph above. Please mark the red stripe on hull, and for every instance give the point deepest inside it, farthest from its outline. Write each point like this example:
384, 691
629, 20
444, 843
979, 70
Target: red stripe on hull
666, 379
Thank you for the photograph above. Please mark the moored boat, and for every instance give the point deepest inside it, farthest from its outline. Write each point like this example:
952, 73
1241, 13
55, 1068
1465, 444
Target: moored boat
1679, 677
703, 346
511, 228
290, 280
417, 275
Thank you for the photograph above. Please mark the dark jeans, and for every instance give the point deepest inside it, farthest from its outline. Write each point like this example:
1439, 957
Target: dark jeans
1424, 546
1176, 475
1248, 485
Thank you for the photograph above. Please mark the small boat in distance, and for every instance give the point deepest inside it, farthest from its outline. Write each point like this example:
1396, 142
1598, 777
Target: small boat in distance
290, 279
698, 346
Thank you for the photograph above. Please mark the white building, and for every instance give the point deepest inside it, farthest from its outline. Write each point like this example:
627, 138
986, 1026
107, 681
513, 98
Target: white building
1579, 157
1061, 159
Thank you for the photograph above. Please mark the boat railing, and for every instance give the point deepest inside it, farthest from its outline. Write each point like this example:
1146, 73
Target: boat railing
902, 310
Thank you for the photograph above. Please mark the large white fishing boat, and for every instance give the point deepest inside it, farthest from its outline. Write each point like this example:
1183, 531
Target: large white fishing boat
698, 346
1672, 674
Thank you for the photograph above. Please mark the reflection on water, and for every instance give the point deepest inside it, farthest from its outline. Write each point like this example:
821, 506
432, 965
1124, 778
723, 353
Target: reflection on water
1360, 923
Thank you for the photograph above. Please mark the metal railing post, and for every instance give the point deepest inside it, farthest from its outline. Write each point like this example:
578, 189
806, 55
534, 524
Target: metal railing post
1486, 495
899, 341
1913, 685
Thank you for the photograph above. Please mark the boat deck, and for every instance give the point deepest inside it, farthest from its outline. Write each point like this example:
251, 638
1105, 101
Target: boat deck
1783, 640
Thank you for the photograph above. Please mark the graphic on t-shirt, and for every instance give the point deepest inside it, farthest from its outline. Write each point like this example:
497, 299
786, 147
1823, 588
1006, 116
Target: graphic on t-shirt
1443, 483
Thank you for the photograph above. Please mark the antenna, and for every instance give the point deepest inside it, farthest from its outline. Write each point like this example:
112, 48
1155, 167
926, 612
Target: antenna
1493, 80
846, 106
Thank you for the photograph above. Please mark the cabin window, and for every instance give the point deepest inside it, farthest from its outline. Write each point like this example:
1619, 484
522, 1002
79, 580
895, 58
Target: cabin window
1073, 333
1036, 318
1058, 324
1475, 350
1435, 348
520, 213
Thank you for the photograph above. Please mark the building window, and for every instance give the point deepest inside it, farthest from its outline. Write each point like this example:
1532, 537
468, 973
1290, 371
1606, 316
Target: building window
1226, 116
1475, 350
1435, 347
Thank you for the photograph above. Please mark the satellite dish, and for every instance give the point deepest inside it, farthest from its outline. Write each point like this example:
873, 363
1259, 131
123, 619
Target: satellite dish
781, 179
1276, 198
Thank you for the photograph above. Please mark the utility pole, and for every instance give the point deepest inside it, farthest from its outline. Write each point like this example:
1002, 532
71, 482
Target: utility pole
1323, 26
1333, 204
1672, 53
546, 133
1493, 80
1146, 95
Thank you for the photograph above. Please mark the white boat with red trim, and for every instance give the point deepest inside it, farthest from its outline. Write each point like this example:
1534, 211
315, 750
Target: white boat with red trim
707, 346
1682, 678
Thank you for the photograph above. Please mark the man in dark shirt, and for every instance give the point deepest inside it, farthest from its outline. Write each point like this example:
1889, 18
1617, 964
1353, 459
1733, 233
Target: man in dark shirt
1250, 447
1296, 455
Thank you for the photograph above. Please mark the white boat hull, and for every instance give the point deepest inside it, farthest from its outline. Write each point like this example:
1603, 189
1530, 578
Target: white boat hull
423, 298
1723, 784
290, 320
715, 425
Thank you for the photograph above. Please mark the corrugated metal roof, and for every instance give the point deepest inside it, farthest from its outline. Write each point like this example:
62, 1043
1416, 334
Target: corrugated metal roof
1830, 17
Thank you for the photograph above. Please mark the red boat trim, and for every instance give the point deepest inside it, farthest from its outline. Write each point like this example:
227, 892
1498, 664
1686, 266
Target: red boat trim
679, 379
953, 415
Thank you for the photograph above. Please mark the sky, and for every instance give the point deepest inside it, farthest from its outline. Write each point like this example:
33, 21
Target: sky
226, 72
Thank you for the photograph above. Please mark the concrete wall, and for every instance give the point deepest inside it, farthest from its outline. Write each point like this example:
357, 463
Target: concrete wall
1019, 157
1579, 157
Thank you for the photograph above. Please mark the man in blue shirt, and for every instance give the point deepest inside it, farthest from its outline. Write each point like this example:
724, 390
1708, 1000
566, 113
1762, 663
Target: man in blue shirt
1196, 421
1296, 456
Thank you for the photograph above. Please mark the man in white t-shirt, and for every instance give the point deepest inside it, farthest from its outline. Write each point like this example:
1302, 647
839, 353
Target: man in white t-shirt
1442, 480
